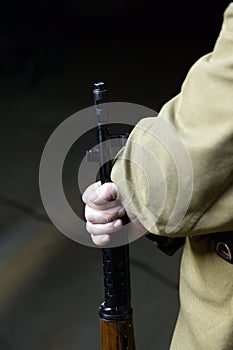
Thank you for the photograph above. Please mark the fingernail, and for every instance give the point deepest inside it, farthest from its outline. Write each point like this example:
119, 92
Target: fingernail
121, 212
118, 223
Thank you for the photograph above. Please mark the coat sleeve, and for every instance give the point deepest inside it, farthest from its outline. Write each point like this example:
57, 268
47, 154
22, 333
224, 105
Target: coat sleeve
176, 170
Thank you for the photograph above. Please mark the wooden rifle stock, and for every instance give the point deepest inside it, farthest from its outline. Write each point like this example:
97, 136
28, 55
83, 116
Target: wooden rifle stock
116, 324
117, 334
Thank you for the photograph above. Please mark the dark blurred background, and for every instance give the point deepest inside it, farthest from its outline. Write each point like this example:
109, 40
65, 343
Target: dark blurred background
51, 52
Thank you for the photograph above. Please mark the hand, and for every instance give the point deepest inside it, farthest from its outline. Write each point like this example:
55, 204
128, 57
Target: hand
103, 211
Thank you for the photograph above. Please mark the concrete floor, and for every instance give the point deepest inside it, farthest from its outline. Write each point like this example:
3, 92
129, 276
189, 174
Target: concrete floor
50, 286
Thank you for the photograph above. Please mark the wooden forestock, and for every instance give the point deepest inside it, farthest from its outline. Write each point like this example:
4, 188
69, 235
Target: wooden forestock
117, 335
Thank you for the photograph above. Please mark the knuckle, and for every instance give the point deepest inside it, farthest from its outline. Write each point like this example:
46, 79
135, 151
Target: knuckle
84, 198
86, 213
89, 228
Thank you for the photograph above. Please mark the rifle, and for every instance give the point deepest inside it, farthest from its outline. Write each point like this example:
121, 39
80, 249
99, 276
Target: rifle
116, 322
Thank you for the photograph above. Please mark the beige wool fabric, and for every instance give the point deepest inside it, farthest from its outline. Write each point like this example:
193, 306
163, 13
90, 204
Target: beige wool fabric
202, 114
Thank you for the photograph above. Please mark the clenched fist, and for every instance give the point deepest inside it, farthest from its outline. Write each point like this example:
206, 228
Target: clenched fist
104, 210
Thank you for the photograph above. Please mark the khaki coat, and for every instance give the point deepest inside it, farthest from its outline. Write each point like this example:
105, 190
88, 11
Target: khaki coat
177, 173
